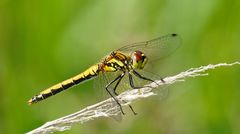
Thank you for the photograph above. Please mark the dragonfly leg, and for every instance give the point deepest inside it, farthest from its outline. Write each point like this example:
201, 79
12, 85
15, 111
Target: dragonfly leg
145, 78
141, 77
148, 79
162, 80
131, 81
119, 78
132, 109
114, 91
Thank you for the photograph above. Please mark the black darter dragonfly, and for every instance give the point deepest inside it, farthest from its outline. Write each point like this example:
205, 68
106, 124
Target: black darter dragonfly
126, 60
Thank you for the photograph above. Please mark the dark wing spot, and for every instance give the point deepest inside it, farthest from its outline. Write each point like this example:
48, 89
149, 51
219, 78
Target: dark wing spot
174, 34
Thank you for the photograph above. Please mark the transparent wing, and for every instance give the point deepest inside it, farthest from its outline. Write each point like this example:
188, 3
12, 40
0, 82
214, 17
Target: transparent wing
156, 48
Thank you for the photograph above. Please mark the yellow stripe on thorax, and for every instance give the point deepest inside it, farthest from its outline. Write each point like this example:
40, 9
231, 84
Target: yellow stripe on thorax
111, 67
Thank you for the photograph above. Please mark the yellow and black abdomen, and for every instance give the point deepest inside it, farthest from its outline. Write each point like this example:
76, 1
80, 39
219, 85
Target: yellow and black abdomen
88, 74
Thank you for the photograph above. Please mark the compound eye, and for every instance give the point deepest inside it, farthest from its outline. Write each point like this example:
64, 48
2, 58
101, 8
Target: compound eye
138, 56
138, 60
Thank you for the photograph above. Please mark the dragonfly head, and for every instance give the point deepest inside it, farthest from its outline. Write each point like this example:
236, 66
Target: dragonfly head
138, 60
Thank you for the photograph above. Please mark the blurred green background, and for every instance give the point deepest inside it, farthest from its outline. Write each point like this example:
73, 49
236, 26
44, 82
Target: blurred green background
45, 42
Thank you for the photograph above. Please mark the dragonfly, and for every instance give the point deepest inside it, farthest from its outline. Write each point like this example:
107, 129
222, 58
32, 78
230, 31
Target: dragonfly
127, 61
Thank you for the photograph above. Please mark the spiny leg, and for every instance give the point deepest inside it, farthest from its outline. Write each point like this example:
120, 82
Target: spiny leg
131, 81
119, 80
114, 91
148, 79
140, 76
106, 87
145, 78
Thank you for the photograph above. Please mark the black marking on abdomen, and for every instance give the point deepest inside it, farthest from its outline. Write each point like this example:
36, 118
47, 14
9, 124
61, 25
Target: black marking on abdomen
68, 85
63, 86
47, 95
83, 78
55, 91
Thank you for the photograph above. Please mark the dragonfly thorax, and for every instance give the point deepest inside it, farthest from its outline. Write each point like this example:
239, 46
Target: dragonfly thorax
138, 60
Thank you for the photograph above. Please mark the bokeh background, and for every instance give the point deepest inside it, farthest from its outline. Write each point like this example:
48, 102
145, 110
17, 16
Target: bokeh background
44, 42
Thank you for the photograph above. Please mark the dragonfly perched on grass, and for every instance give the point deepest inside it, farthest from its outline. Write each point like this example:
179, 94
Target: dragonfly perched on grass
127, 61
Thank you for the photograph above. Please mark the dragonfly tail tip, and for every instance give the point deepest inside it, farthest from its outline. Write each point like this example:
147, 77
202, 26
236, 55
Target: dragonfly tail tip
30, 102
